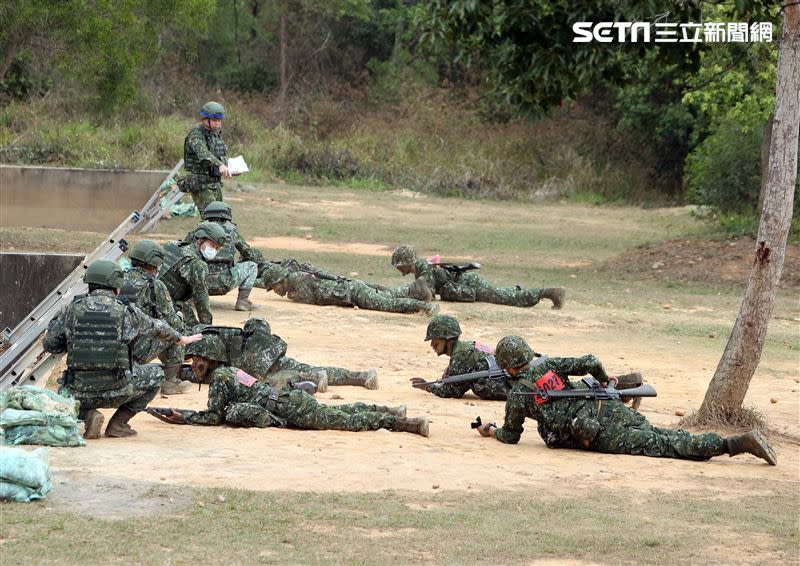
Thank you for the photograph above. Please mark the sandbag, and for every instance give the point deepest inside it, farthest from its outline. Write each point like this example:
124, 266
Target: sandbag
24, 475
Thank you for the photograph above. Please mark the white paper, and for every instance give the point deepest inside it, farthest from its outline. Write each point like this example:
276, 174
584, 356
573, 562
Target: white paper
236, 165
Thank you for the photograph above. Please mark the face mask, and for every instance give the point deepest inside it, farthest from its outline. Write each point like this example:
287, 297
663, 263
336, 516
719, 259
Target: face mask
208, 252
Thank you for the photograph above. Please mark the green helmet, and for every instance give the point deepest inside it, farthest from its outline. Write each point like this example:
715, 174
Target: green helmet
209, 347
147, 252
273, 274
404, 255
212, 231
512, 352
213, 110
105, 273
443, 326
217, 209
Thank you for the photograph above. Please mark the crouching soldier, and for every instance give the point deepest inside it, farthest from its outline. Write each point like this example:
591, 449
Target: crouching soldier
235, 397
97, 331
598, 425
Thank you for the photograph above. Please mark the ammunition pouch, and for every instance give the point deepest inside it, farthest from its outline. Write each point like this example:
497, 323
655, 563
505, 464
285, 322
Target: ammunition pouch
219, 283
457, 293
194, 182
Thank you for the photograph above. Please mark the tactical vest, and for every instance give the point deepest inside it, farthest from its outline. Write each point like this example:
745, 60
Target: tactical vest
139, 289
231, 337
176, 254
97, 359
215, 145
227, 253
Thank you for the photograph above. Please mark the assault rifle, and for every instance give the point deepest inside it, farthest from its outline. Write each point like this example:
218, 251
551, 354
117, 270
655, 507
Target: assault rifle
319, 274
454, 267
492, 373
163, 414
594, 391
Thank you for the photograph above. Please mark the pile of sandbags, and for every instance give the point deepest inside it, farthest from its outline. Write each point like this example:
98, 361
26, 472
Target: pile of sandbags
24, 475
32, 415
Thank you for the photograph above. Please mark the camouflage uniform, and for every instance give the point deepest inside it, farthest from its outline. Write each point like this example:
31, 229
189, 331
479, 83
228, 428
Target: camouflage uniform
237, 398
203, 153
467, 357
609, 425
224, 272
133, 386
152, 297
185, 275
305, 288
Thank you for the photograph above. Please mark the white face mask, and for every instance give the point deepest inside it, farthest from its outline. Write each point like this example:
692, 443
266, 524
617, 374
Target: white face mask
209, 252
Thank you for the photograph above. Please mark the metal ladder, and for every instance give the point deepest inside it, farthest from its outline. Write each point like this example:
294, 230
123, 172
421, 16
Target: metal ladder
23, 360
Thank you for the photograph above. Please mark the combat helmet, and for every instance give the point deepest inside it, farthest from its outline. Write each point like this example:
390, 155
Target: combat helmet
209, 347
443, 326
104, 273
217, 209
213, 110
512, 352
212, 231
147, 252
404, 255
273, 274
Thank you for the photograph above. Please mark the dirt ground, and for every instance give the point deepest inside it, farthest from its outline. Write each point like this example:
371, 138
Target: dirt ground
164, 459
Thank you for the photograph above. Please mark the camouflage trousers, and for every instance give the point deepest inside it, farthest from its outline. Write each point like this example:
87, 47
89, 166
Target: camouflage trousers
336, 375
489, 389
625, 431
242, 275
209, 193
134, 396
471, 287
365, 297
302, 410
145, 349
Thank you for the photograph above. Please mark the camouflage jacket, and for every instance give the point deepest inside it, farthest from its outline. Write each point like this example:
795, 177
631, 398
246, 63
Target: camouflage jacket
226, 256
436, 277
554, 417
151, 296
195, 274
202, 150
135, 323
305, 288
466, 358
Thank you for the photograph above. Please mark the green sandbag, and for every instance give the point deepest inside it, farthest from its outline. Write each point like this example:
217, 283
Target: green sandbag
46, 435
32, 398
24, 475
16, 417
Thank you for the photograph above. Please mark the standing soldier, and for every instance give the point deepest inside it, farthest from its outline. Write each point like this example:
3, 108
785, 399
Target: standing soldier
205, 157
142, 289
593, 424
453, 283
466, 356
185, 272
224, 272
98, 331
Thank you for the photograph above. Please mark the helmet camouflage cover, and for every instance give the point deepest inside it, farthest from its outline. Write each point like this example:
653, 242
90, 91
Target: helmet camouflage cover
443, 326
212, 231
213, 110
209, 347
217, 209
512, 352
404, 255
105, 273
147, 252
273, 274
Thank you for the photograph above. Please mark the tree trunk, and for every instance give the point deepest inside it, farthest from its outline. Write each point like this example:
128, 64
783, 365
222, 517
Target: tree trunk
8, 58
765, 161
732, 377
284, 87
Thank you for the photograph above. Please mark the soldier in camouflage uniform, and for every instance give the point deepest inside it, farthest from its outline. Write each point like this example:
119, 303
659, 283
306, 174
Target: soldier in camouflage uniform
205, 157
259, 352
468, 287
601, 426
306, 288
225, 273
237, 398
141, 288
185, 272
466, 356
98, 332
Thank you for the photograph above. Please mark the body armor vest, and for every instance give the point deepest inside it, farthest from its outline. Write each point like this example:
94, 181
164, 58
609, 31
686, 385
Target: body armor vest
97, 359
139, 289
176, 254
215, 145
231, 337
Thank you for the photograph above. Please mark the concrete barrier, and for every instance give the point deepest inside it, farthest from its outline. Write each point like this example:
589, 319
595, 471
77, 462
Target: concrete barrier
27, 278
72, 199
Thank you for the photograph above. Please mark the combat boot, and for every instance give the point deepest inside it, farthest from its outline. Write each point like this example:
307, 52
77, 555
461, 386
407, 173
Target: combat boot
419, 290
93, 423
320, 377
243, 302
430, 309
172, 385
555, 294
752, 443
368, 379
118, 425
417, 426
399, 411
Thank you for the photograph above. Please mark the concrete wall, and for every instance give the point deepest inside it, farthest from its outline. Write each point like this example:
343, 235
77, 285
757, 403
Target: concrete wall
72, 199
27, 278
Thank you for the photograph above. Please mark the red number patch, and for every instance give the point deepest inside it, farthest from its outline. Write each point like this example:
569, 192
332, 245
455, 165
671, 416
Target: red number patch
549, 382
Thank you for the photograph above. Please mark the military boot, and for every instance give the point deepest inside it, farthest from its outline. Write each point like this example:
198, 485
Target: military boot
368, 379
555, 294
320, 377
430, 309
172, 385
243, 302
419, 290
118, 425
399, 411
752, 443
417, 426
93, 423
